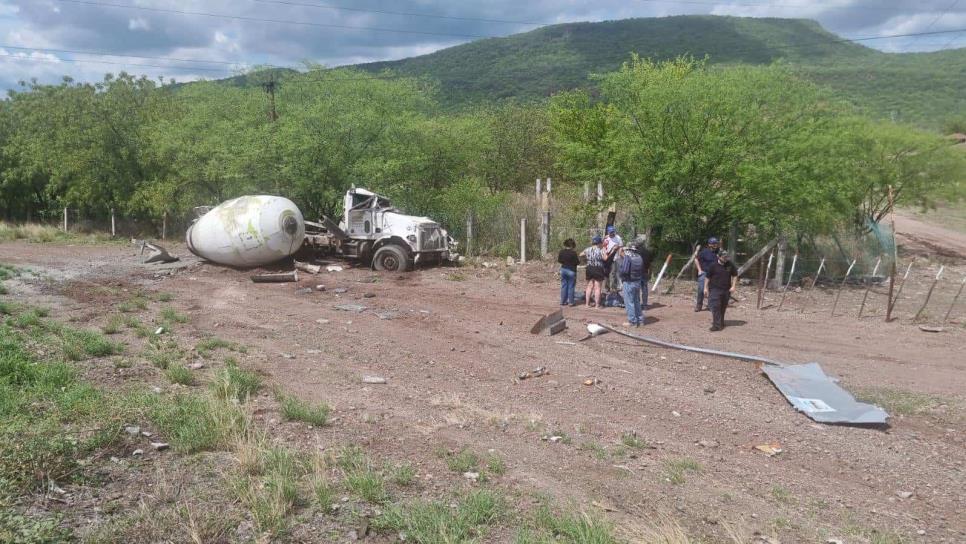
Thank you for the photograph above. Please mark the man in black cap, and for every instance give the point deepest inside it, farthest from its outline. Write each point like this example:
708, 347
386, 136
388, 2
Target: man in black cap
706, 257
721, 280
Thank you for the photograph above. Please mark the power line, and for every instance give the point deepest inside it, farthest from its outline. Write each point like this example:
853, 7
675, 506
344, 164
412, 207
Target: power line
275, 21
405, 13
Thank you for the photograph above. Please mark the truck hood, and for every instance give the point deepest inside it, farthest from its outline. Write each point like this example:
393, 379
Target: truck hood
400, 219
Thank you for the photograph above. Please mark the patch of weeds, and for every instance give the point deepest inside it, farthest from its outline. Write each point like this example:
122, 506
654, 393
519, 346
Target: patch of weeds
676, 469
571, 527
403, 475
165, 297
495, 464
122, 362
163, 353
598, 451
781, 494
898, 401
180, 374
134, 304
631, 440
113, 325
323, 492
194, 423
233, 382
135, 325
171, 316
464, 461
360, 477
16, 528
456, 276
7, 308
7, 272
439, 523
3, 290
31, 318
534, 425
296, 409
564, 438
204, 347
80, 343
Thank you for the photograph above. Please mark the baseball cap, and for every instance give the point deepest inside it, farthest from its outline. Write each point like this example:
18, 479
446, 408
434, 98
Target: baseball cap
724, 256
611, 229
712, 240
597, 239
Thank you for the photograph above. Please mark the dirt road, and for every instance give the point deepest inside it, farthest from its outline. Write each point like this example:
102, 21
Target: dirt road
451, 343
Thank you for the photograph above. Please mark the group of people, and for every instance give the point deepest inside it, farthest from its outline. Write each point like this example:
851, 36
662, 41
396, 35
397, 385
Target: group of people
613, 267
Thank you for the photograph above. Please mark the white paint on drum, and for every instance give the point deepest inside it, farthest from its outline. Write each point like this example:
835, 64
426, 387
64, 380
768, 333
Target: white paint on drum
248, 231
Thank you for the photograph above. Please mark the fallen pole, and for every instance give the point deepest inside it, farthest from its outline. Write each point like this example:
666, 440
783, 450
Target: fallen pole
791, 274
687, 265
905, 277
596, 329
808, 297
929, 293
661, 274
306, 267
842, 286
764, 284
955, 300
869, 287
754, 258
276, 278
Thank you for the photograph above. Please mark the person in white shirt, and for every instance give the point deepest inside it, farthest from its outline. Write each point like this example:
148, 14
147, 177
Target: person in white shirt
612, 246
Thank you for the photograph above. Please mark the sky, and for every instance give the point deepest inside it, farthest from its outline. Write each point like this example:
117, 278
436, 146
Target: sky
47, 39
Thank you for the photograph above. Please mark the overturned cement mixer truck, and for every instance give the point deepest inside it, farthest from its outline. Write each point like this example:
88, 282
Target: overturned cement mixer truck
255, 230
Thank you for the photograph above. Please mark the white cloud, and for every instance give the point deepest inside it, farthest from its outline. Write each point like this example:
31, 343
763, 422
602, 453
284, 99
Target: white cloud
138, 23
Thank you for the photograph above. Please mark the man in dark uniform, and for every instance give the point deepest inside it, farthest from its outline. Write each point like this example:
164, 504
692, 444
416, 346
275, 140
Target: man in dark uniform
706, 257
721, 281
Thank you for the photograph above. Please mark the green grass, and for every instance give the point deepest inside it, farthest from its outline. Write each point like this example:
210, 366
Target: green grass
675, 470
571, 527
170, 316
434, 522
80, 343
296, 409
233, 382
463, 461
113, 325
164, 353
631, 440
360, 476
898, 401
598, 451
781, 494
3, 289
180, 375
204, 347
193, 423
165, 297
403, 475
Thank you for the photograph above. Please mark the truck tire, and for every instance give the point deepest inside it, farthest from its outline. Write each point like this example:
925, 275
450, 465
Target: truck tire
391, 258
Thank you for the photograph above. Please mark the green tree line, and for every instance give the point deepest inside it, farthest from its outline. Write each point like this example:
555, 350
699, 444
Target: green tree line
689, 148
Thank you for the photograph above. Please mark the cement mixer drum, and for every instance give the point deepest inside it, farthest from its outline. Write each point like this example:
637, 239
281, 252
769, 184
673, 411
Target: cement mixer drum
248, 231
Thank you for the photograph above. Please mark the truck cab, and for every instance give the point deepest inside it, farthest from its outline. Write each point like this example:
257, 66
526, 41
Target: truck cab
393, 241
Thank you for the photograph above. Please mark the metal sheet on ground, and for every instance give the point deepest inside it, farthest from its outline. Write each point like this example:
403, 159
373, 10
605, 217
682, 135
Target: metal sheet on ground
813, 393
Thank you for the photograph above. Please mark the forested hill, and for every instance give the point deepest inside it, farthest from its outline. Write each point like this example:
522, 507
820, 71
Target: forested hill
920, 88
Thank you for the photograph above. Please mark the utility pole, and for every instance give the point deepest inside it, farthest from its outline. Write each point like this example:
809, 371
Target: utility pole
270, 89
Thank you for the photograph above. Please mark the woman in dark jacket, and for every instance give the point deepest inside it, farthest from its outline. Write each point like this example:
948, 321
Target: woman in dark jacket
568, 260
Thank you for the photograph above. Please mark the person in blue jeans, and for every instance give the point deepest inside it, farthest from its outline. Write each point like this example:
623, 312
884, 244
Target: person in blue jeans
706, 257
568, 260
631, 273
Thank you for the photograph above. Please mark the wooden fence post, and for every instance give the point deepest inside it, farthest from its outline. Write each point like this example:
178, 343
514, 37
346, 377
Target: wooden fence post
687, 265
869, 287
164, 225
929, 293
523, 240
539, 191
955, 300
791, 274
65, 218
469, 234
808, 297
586, 192
764, 279
544, 233
113, 225
905, 277
838, 293
780, 263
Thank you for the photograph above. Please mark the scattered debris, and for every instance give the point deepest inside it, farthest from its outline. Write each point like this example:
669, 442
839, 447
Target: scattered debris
553, 322
158, 446
132, 430
340, 290
509, 260
770, 450
809, 390
565, 343
369, 295
904, 494
320, 287
373, 379
282, 277
535, 373
322, 321
385, 315
304, 291
333, 268
157, 253
368, 279
138, 451
287, 355
472, 476
709, 389
555, 439
196, 366
591, 381
926, 328
357, 308
306, 267
159, 331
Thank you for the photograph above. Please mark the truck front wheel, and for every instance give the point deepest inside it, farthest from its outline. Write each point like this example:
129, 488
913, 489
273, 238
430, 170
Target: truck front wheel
391, 258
